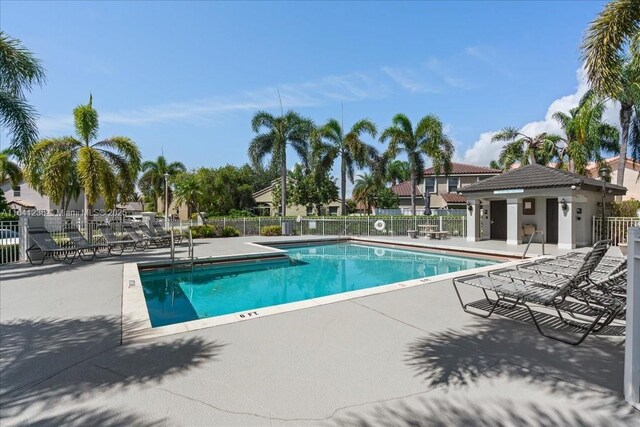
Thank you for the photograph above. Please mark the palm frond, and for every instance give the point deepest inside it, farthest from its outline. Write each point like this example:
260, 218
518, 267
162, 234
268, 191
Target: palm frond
85, 119
19, 118
20, 70
262, 119
605, 41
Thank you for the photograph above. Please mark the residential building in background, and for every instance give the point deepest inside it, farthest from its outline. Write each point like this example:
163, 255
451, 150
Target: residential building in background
23, 197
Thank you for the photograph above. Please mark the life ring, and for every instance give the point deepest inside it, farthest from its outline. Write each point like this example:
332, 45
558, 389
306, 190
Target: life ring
379, 252
379, 225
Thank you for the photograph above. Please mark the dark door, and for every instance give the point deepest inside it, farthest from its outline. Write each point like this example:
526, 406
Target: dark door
498, 219
552, 221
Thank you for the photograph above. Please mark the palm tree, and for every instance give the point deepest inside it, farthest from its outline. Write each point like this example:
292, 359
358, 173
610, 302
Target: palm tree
106, 168
188, 191
541, 148
20, 71
428, 138
9, 170
287, 129
353, 151
615, 28
397, 171
365, 189
629, 98
153, 175
495, 164
586, 134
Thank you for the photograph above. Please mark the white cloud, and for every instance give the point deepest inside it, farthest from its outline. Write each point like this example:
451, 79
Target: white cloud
483, 150
408, 79
347, 87
490, 57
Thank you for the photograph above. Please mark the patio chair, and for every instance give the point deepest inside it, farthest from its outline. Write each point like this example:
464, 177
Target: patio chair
140, 237
160, 231
141, 240
531, 272
114, 242
83, 245
43, 242
568, 267
522, 293
154, 237
614, 285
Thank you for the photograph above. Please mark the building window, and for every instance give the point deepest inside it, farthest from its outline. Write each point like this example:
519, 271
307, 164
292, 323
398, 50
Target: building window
452, 185
430, 185
309, 210
333, 210
16, 191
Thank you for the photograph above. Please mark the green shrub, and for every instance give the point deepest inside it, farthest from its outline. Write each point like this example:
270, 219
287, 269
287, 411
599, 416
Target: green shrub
8, 216
229, 231
240, 213
625, 208
271, 230
202, 231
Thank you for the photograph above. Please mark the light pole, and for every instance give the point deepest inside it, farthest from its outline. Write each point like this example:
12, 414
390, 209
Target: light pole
604, 174
166, 201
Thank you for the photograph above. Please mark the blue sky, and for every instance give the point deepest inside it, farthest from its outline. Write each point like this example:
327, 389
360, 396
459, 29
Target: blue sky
186, 77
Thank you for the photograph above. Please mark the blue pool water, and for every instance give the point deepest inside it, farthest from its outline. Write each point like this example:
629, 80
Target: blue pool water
309, 272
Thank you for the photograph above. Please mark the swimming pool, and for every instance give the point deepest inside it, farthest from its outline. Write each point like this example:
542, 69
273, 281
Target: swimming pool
307, 272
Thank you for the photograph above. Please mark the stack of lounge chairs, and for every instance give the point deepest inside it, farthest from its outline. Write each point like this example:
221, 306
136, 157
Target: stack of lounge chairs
71, 243
588, 287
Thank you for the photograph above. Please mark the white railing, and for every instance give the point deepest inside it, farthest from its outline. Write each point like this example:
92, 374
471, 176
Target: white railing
349, 226
9, 241
616, 228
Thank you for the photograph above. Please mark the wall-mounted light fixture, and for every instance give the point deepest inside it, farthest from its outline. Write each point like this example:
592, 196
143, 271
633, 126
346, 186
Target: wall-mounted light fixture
564, 205
573, 187
469, 207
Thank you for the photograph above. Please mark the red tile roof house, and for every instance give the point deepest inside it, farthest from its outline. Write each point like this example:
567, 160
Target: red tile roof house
442, 189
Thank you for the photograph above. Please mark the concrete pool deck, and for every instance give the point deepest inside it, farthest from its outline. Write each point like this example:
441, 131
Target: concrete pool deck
410, 356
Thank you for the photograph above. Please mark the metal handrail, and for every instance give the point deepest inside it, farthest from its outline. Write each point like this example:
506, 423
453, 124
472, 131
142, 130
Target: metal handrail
190, 252
530, 239
173, 248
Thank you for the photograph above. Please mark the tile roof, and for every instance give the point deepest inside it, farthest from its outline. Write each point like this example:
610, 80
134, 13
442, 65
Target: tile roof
538, 176
404, 189
463, 169
130, 206
454, 198
21, 202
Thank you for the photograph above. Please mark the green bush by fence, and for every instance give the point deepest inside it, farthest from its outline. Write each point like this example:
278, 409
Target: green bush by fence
271, 230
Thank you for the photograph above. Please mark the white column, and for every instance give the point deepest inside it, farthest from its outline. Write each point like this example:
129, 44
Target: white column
632, 339
566, 223
473, 221
514, 216
486, 219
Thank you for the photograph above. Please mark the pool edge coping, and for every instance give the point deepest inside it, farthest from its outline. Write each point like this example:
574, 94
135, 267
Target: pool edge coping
136, 323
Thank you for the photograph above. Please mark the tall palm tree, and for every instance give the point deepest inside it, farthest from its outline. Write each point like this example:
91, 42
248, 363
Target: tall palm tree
9, 170
287, 129
427, 139
351, 149
603, 48
586, 134
541, 148
188, 191
105, 168
397, 171
20, 71
628, 96
365, 189
152, 180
